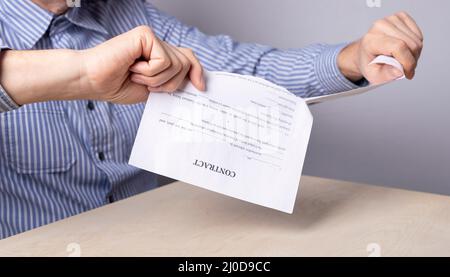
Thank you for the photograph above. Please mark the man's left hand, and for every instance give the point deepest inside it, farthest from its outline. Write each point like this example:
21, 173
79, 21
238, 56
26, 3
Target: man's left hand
397, 36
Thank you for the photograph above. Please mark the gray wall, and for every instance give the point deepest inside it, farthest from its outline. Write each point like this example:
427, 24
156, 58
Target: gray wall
397, 136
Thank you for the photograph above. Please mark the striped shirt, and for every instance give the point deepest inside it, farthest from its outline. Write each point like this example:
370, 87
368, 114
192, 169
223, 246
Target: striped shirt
61, 158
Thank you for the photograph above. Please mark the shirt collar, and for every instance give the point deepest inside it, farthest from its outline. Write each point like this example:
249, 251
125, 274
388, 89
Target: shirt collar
30, 22
26, 19
88, 16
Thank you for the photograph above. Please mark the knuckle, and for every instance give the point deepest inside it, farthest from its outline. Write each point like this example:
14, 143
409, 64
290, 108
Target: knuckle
144, 29
189, 52
368, 39
421, 36
166, 63
416, 47
420, 45
365, 39
392, 18
184, 58
379, 24
400, 45
178, 66
186, 63
402, 14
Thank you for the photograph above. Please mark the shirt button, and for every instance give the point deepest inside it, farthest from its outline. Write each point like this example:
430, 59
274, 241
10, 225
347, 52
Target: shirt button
90, 105
101, 156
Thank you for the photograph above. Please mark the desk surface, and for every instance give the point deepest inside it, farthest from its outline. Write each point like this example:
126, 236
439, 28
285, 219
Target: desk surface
331, 218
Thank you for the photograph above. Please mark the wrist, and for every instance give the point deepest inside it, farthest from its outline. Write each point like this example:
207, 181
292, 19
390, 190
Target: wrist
348, 62
71, 83
81, 88
41, 75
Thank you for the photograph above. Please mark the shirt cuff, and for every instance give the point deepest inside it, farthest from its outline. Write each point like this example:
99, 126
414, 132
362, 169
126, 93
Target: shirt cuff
6, 102
329, 74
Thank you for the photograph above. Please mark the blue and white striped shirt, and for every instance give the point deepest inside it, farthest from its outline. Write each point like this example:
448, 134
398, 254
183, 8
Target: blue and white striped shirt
61, 158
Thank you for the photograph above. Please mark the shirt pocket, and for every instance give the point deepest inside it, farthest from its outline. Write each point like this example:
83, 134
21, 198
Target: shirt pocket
37, 140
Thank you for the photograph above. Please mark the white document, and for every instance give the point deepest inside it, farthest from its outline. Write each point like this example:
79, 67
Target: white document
245, 137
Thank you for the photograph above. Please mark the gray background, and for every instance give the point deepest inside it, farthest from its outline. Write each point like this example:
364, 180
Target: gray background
397, 136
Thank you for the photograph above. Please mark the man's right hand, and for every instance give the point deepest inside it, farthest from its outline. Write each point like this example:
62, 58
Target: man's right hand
126, 68
123, 70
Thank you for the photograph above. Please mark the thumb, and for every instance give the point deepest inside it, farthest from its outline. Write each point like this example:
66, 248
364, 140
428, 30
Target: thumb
159, 60
196, 72
151, 50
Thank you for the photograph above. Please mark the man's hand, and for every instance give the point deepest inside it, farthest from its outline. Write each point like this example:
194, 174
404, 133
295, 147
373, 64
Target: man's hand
126, 68
122, 70
397, 36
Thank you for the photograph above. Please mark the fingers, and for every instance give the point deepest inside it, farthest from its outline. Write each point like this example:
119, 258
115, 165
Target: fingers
398, 36
161, 62
397, 48
160, 59
161, 67
178, 80
411, 23
182, 62
399, 23
170, 79
397, 28
196, 71
152, 50
125, 68
145, 76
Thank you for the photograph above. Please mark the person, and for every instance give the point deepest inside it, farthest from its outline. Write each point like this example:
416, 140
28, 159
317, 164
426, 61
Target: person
74, 79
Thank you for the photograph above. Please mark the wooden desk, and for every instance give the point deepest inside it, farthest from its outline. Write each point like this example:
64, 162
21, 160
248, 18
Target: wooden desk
332, 218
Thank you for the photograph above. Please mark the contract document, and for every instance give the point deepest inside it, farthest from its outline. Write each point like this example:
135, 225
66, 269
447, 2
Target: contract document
244, 137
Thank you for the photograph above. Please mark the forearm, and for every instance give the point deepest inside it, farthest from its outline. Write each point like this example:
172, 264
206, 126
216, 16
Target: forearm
310, 71
44, 75
306, 72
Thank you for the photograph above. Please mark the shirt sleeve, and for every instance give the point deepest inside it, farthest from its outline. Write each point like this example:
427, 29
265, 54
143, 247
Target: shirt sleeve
306, 72
6, 102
